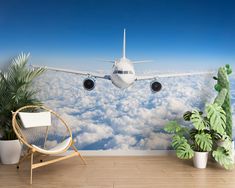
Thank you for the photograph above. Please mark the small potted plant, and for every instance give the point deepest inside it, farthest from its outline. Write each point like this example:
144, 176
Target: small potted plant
15, 92
191, 143
201, 138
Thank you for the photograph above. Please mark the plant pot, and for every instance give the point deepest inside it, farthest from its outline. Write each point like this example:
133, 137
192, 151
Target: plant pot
200, 159
10, 151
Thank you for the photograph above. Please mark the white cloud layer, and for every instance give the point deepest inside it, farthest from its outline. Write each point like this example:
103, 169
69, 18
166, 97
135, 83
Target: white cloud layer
110, 118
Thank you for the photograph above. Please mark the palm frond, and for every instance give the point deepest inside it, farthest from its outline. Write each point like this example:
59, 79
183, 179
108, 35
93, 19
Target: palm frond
16, 90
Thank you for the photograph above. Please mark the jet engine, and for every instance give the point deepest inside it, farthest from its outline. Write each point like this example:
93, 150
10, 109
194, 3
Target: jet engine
89, 84
155, 86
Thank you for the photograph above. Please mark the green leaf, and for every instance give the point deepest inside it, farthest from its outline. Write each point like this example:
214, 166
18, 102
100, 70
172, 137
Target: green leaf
223, 158
193, 133
198, 121
178, 141
16, 91
172, 127
187, 116
226, 143
217, 118
204, 141
184, 151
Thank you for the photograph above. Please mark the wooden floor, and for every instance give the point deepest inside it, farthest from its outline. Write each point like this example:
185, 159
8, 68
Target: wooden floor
119, 172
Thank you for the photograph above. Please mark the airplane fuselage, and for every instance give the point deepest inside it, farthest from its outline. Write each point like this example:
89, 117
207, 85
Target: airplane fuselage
123, 73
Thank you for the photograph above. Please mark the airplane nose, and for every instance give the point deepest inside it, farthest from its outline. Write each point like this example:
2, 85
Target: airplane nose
126, 80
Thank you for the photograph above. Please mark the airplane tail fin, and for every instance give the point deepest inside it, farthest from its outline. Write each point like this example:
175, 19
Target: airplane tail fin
124, 45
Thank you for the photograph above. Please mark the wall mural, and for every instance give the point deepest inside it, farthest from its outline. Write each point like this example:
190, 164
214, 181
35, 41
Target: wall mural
108, 118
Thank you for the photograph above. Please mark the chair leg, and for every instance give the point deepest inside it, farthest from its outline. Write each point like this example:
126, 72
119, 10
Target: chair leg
31, 169
76, 150
22, 159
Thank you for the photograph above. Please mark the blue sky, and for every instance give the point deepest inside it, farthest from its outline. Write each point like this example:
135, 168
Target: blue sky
182, 34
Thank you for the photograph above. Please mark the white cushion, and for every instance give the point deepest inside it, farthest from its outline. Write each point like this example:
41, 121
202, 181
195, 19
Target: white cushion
35, 119
58, 148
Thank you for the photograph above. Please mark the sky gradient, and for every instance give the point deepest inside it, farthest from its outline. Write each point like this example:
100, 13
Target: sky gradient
183, 34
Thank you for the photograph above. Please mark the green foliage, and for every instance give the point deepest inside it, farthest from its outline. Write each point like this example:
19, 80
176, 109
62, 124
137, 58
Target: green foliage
223, 157
223, 99
217, 87
177, 141
220, 115
204, 141
225, 142
217, 117
215, 135
15, 92
184, 151
172, 127
187, 115
209, 128
198, 121
228, 69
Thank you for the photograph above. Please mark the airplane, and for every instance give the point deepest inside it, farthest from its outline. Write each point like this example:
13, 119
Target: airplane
122, 74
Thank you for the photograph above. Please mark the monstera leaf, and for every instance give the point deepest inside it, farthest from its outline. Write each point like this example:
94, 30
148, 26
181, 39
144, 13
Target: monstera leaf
178, 141
198, 121
184, 151
187, 116
223, 157
172, 127
217, 117
204, 141
225, 142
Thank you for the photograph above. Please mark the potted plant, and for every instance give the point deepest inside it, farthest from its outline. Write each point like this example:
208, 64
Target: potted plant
201, 138
15, 92
223, 99
191, 143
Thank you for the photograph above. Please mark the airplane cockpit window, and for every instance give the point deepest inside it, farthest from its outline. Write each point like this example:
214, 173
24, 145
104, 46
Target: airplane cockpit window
122, 72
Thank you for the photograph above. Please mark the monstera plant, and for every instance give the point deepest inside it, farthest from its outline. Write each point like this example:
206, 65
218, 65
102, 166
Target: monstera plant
210, 132
202, 137
15, 92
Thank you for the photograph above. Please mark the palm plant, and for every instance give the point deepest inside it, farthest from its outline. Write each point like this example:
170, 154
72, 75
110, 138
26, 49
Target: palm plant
16, 91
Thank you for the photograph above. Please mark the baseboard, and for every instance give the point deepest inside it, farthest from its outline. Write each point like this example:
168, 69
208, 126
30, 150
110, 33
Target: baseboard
124, 152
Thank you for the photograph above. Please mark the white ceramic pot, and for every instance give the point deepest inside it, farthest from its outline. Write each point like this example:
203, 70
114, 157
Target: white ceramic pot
10, 151
200, 159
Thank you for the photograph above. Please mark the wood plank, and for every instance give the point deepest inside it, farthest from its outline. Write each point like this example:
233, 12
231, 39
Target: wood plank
118, 172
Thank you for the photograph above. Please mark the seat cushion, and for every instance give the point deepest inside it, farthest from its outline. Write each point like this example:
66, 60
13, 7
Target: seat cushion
35, 119
59, 148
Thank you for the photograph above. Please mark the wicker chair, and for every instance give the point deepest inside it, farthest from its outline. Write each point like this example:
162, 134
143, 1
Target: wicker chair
32, 125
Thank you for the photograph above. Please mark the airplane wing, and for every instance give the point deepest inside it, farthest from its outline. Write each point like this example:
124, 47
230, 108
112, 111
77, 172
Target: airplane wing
142, 61
83, 73
171, 75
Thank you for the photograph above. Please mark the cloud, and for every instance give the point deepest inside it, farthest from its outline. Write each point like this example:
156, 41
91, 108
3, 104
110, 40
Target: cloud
92, 133
155, 141
123, 142
125, 119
